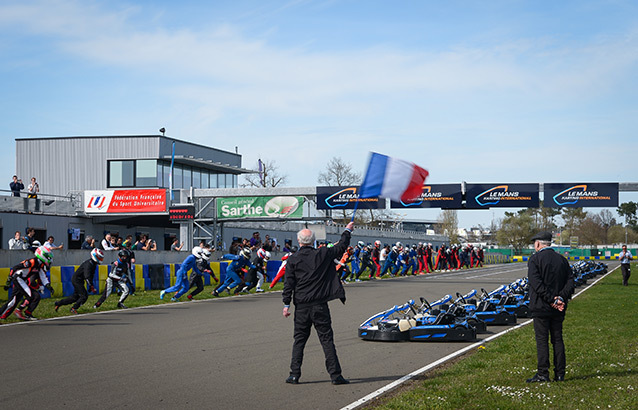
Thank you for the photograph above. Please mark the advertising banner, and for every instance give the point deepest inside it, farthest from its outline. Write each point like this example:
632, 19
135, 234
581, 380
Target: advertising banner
125, 201
445, 196
340, 197
483, 196
260, 207
596, 194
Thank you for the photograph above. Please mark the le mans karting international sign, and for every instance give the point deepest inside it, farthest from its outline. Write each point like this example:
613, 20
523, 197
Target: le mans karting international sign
340, 197
483, 196
444, 196
597, 194
125, 201
260, 207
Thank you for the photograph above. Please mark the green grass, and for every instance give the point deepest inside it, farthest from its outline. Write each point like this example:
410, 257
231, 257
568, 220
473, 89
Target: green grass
601, 339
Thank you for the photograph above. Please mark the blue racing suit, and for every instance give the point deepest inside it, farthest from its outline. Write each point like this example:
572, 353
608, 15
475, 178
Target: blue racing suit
234, 270
182, 284
390, 263
356, 261
412, 261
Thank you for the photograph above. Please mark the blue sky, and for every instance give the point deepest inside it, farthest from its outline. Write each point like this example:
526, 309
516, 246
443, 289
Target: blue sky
480, 91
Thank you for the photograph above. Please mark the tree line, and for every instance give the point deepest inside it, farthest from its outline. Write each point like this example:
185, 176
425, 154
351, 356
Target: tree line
590, 228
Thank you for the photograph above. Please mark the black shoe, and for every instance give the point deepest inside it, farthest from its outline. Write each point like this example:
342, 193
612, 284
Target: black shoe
121, 305
292, 380
559, 378
538, 378
340, 380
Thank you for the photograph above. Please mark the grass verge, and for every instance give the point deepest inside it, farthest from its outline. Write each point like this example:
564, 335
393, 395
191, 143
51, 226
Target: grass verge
601, 339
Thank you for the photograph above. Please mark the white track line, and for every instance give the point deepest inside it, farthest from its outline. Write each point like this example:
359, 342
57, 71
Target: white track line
432, 365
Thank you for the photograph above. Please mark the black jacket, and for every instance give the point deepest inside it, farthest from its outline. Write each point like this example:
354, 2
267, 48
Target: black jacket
85, 272
549, 276
311, 275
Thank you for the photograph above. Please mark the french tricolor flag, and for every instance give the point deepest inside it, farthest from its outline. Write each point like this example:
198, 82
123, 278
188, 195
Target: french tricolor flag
392, 178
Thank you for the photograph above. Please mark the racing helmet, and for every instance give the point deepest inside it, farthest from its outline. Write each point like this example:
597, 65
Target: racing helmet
197, 252
44, 255
414, 246
124, 255
377, 243
206, 254
261, 253
245, 253
97, 255
361, 244
394, 248
398, 245
266, 256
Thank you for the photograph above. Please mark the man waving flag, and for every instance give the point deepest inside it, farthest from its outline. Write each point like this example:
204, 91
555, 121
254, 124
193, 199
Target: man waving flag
392, 178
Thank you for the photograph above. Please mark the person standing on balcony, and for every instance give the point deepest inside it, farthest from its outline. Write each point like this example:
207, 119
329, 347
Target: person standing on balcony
16, 186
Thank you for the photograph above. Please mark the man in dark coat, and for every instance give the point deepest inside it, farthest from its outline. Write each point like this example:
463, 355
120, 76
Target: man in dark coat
551, 285
311, 281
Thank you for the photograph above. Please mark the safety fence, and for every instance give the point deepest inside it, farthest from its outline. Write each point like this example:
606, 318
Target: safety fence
144, 277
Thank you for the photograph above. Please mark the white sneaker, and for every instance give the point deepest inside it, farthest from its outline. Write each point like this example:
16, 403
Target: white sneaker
357, 280
259, 290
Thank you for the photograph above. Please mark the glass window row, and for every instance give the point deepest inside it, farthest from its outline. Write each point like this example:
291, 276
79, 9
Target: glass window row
154, 173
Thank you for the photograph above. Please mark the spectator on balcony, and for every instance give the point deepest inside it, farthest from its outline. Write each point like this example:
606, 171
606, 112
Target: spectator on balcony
106, 243
33, 189
30, 237
16, 186
177, 246
18, 242
51, 246
88, 244
255, 240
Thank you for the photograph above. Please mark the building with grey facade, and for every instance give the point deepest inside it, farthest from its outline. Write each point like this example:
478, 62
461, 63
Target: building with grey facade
63, 165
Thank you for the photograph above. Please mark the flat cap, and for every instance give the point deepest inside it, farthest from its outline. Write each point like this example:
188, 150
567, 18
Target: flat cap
542, 236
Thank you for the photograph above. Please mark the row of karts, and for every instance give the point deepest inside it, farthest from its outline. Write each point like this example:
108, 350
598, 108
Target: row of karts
585, 270
461, 318
449, 319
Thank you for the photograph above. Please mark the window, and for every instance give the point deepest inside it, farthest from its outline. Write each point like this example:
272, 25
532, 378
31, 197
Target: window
160, 175
229, 181
120, 173
177, 177
188, 179
205, 179
221, 180
213, 180
197, 178
146, 172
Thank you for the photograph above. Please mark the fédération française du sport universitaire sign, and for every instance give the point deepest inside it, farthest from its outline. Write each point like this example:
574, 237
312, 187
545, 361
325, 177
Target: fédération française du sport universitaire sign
260, 207
125, 201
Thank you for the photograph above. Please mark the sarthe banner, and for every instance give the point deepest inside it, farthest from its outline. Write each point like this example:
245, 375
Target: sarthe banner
484, 196
342, 197
444, 196
593, 194
260, 207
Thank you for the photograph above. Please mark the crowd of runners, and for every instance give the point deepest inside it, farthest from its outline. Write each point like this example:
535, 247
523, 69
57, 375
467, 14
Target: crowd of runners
245, 271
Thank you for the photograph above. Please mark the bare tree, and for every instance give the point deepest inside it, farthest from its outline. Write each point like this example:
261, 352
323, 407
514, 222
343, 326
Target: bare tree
266, 176
339, 173
449, 220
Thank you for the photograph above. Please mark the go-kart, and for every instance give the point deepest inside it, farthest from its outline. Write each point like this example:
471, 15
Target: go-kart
395, 324
491, 308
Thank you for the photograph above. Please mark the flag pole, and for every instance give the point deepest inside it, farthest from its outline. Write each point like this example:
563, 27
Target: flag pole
356, 205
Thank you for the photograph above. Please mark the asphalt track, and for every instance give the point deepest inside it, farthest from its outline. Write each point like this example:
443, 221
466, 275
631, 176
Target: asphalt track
222, 353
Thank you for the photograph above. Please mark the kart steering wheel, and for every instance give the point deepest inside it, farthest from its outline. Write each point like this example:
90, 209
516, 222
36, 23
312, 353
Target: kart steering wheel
485, 294
425, 303
459, 296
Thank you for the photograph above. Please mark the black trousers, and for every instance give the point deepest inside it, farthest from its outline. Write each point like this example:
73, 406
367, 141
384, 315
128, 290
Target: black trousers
319, 316
544, 328
626, 273
196, 280
79, 296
